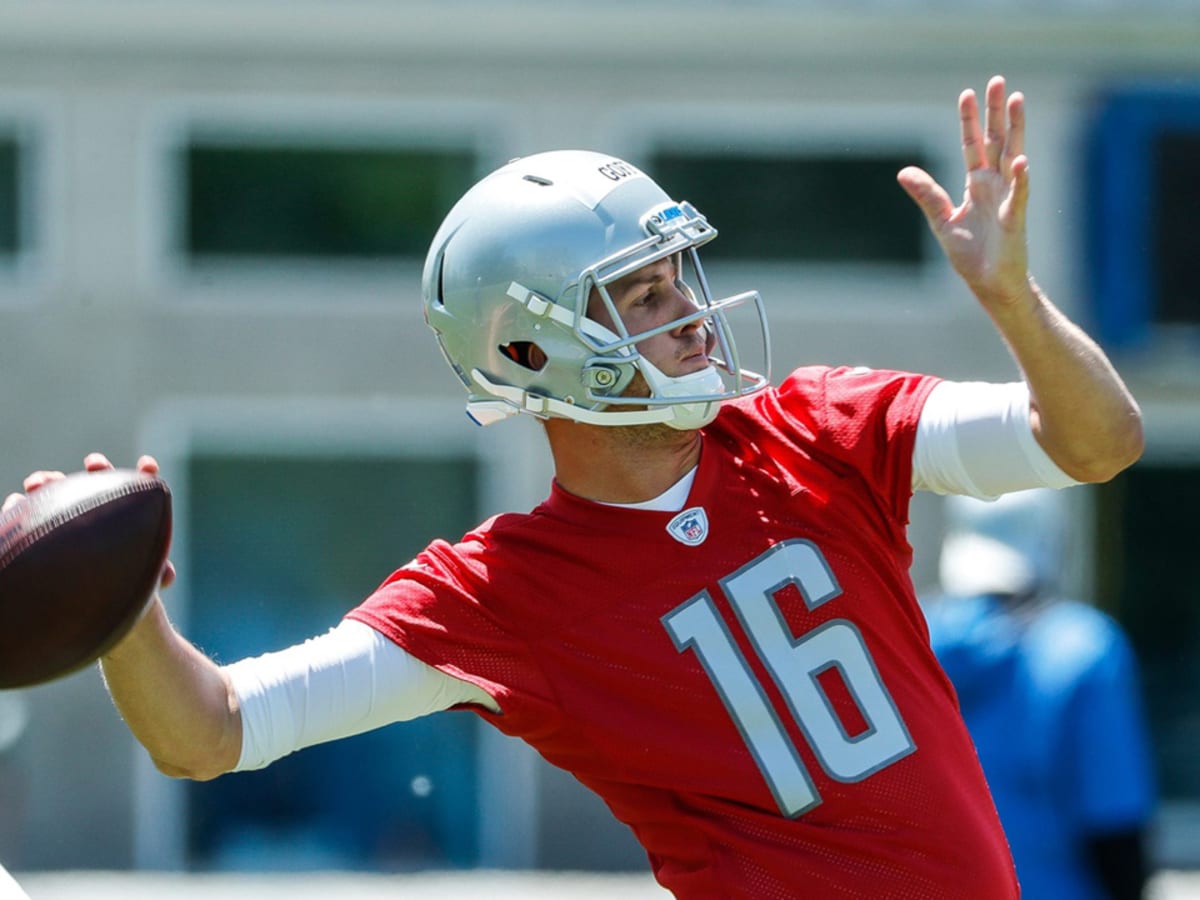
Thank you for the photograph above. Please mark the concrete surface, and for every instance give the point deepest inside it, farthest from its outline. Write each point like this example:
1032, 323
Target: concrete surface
415, 886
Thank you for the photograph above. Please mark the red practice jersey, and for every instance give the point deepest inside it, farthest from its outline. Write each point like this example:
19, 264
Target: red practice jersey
747, 683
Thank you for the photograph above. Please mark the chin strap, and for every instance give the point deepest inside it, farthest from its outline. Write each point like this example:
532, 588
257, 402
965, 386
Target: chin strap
513, 400
687, 415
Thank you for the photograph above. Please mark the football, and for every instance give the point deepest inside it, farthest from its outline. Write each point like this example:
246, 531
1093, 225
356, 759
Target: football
80, 559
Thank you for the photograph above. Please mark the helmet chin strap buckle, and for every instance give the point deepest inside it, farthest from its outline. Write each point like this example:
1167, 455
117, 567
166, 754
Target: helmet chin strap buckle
601, 379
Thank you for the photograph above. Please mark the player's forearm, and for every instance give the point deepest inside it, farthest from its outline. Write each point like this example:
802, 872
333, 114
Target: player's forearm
1083, 415
176, 701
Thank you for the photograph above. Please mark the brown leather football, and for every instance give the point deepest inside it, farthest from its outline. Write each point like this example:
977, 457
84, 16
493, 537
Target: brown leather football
80, 559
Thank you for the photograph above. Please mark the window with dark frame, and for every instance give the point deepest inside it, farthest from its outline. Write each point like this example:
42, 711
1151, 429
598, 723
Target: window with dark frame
1147, 577
1142, 191
1177, 196
283, 585
819, 207
10, 195
270, 200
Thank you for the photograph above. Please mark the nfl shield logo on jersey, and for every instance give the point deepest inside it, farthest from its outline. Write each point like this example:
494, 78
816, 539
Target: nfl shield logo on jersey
689, 527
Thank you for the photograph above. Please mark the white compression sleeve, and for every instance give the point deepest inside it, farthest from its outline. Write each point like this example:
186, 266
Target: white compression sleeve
976, 439
345, 682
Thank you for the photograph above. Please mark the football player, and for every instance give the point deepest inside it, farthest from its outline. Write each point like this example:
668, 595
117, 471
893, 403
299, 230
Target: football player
1050, 690
709, 621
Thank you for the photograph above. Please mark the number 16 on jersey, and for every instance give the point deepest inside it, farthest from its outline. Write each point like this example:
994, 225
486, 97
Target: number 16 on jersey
795, 665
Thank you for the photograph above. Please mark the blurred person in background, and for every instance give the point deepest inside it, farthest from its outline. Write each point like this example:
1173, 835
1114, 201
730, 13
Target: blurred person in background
1050, 692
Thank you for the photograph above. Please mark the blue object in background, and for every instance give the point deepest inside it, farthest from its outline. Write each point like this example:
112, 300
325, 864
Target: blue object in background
1051, 699
1050, 691
1126, 193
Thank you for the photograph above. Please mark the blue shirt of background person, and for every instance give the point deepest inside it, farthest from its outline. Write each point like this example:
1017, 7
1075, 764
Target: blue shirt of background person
1049, 690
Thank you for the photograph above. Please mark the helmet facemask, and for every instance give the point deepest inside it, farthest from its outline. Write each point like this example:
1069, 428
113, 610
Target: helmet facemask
686, 401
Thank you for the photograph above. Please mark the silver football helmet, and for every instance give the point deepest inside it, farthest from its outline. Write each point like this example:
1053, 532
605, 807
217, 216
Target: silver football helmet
514, 265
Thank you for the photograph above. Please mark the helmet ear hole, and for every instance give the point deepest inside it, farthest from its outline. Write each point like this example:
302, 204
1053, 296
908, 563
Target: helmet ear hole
526, 354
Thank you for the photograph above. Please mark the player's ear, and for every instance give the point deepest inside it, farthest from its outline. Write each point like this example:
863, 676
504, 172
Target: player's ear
525, 353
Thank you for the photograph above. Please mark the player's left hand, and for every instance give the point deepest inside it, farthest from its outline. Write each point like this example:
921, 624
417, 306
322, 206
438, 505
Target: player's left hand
984, 236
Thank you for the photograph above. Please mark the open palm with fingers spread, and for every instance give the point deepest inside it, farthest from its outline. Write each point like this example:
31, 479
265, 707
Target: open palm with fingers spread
984, 236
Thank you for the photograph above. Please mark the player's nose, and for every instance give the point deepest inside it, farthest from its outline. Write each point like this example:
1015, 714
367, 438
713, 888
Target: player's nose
685, 305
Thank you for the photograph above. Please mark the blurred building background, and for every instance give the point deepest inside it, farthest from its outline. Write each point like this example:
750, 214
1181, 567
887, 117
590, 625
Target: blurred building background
212, 222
